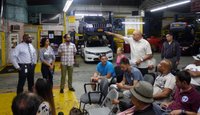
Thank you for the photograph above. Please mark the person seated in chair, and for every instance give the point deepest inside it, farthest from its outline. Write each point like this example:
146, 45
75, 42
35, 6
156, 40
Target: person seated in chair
118, 71
164, 83
104, 69
142, 99
194, 70
186, 98
131, 76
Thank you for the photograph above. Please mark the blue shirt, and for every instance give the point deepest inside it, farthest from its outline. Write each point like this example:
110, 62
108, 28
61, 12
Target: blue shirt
134, 75
105, 69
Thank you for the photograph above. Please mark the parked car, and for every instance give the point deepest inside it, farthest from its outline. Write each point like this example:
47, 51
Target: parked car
93, 25
93, 48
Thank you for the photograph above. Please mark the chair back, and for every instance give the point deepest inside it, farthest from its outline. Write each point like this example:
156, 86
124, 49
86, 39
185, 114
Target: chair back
112, 94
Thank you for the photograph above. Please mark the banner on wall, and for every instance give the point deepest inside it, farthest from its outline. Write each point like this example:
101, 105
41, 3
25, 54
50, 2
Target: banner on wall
71, 19
13, 40
117, 24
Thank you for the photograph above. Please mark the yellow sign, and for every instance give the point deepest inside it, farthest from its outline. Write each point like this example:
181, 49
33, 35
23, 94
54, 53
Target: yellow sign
130, 31
72, 19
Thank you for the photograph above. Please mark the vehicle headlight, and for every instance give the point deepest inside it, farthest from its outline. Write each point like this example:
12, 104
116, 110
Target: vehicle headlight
89, 25
109, 51
87, 52
108, 25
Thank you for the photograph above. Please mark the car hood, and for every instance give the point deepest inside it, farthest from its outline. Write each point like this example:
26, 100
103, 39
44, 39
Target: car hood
97, 49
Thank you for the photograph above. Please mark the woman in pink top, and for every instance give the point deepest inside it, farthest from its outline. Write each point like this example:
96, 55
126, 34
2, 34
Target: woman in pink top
120, 55
118, 71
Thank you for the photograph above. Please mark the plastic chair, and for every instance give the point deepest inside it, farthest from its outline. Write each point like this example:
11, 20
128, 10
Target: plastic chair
106, 106
94, 97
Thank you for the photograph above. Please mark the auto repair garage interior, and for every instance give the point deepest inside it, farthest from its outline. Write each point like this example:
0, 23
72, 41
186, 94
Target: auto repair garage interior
87, 22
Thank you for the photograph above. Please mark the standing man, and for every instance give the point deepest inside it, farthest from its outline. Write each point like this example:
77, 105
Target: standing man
67, 51
140, 50
171, 51
24, 59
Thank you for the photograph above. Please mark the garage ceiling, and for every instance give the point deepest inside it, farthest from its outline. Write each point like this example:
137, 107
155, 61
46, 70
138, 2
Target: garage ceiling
142, 4
88, 2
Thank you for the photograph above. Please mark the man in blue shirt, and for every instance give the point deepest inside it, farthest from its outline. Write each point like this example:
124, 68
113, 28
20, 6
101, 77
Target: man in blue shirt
104, 69
131, 76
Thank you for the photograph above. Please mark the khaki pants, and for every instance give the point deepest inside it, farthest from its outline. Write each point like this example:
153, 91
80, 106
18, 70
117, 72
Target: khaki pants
64, 70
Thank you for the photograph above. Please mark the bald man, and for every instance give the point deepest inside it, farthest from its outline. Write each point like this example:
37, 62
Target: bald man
140, 50
164, 83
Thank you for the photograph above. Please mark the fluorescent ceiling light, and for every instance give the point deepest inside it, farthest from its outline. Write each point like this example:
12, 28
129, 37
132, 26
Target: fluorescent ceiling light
170, 5
133, 22
67, 5
88, 14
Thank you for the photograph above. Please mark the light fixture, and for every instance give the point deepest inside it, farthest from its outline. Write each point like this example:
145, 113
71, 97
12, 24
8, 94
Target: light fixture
133, 22
170, 5
88, 14
67, 5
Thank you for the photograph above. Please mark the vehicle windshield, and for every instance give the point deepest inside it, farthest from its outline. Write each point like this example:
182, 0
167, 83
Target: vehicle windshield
95, 43
94, 19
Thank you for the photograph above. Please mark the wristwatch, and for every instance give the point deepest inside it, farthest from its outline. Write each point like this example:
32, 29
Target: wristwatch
141, 59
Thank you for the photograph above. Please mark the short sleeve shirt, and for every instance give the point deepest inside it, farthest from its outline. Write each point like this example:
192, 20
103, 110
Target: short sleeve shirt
138, 50
134, 75
161, 82
189, 101
67, 53
194, 80
105, 69
44, 109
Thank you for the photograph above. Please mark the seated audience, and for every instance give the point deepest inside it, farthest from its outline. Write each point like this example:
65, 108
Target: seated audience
142, 99
104, 69
194, 70
26, 104
43, 89
164, 83
186, 98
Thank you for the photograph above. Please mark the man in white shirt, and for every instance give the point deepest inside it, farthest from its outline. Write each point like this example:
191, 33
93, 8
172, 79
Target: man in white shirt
140, 50
165, 82
194, 70
24, 58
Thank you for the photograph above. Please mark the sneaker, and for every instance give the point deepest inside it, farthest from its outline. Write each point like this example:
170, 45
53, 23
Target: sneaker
61, 91
71, 89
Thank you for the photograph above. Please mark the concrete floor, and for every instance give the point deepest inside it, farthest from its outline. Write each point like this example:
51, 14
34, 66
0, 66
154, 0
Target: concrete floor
82, 74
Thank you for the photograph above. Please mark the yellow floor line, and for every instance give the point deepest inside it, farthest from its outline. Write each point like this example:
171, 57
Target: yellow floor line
63, 102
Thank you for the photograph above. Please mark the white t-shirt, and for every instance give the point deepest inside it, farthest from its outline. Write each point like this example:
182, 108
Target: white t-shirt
194, 80
44, 109
138, 50
161, 82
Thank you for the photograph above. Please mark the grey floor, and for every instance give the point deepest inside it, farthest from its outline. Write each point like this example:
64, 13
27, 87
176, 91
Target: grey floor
82, 74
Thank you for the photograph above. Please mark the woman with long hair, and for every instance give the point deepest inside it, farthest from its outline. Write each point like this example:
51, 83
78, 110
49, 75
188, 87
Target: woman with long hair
47, 58
43, 89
